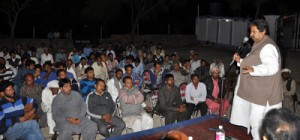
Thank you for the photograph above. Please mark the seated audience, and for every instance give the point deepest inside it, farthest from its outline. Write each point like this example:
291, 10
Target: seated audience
136, 79
16, 115
80, 68
202, 71
131, 100
100, 69
87, 84
195, 96
48, 95
69, 113
115, 84
47, 74
101, 108
213, 88
157, 75
169, 103
219, 65
34, 91
179, 78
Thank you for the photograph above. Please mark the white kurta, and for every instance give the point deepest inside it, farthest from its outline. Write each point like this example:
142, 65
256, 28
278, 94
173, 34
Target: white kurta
112, 89
47, 99
245, 113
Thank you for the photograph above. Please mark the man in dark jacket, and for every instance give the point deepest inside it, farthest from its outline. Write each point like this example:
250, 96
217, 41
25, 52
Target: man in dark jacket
169, 103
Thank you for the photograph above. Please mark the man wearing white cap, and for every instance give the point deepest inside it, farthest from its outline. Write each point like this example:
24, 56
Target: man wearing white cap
289, 88
48, 95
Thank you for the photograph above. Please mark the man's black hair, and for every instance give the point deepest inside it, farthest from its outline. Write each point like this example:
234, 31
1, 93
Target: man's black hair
128, 66
88, 69
169, 76
262, 25
125, 78
63, 82
5, 84
59, 71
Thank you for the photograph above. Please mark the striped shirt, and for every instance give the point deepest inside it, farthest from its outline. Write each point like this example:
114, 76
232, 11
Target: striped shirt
8, 74
10, 112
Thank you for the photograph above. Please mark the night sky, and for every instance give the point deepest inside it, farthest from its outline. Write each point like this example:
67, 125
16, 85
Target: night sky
115, 16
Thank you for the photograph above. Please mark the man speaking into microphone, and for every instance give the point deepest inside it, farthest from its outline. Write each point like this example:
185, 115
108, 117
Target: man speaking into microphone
259, 87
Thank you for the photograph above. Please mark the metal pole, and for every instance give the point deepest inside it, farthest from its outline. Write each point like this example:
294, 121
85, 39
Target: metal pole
198, 12
101, 32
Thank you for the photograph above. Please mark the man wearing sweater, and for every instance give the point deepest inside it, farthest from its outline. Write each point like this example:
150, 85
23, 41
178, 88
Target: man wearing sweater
69, 113
131, 100
101, 109
16, 114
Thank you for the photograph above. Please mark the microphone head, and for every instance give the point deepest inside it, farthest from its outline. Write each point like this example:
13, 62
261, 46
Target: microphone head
246, 39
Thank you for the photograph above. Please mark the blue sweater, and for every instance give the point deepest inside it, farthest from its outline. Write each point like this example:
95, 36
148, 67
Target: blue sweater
86, 87
10, 112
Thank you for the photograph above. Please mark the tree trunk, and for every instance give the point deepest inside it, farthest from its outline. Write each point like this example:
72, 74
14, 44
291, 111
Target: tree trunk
13, 26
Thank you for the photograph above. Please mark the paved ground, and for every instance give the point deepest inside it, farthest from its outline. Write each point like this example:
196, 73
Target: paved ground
208, 52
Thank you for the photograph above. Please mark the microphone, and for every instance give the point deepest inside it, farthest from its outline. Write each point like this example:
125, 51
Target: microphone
239, 50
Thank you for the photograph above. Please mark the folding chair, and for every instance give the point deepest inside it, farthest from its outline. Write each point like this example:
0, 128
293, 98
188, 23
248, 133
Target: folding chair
153, 103
118, 111
182, 88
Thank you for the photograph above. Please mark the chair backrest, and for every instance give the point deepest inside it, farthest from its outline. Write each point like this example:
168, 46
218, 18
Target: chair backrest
146, 77
182, 88
154, 98
118, 108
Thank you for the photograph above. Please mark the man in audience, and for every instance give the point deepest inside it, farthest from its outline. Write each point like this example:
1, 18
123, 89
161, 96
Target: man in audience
195, 96
47, 74
62, 74
131, 100
100, 69
46, 56
87, 84
169, 103
202, 71
218, 64
101, 109
195, 63
48, 95
157, 75
34, 91
289, 88
16, 114
179, 78
19, 79
138, 67
115, 84
69, 113
214, 89
81, 68
13, 61
137, 79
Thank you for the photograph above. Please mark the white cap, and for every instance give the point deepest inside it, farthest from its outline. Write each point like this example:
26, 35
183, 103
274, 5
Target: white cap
220, 127
190, 138
53, 84
286, 70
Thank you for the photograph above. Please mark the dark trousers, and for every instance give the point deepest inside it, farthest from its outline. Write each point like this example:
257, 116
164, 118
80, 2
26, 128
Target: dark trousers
200, 106
172, 116
117, 122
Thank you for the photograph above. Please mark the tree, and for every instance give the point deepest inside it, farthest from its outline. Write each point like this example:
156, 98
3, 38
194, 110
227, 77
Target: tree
12, 9
143, 8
